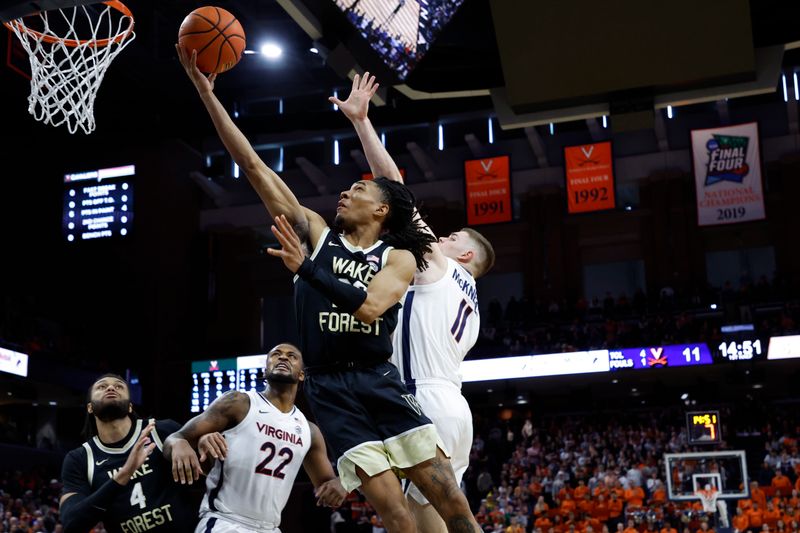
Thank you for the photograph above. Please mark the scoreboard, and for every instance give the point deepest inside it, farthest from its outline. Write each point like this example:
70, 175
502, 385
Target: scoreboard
703, 427
98, 204
213, 378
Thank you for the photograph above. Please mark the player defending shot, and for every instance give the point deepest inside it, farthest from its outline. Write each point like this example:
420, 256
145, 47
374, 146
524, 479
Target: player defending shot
346, 298
115, 477
439, 321
266, 439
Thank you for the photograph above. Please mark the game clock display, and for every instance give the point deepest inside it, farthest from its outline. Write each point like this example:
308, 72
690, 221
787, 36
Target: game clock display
704, 427
741, 350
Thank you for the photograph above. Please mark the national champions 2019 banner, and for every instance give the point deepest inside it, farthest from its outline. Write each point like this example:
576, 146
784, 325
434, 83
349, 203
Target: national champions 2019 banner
727, 174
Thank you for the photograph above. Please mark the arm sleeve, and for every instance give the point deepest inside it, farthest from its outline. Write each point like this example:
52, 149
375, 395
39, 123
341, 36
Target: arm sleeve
82, 511
344, 295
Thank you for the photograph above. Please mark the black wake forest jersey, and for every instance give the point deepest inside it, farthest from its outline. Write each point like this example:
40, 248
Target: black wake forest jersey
151, 501
328, 334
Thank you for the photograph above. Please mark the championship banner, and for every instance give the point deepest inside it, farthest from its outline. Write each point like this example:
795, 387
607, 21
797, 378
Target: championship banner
589, 178
727, 174
488, 190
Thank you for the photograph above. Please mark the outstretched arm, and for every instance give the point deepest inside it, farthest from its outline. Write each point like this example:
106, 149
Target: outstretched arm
356, 108
327, 488
224, 413
272, 190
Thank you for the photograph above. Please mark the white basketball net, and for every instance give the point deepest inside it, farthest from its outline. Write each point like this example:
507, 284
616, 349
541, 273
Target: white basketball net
708, 499
67, 68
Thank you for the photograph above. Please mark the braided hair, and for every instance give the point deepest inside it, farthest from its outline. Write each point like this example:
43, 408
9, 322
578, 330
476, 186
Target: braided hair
402, 229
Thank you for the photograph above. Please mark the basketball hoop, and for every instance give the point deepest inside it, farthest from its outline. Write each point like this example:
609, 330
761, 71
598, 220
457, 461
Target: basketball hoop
66, 71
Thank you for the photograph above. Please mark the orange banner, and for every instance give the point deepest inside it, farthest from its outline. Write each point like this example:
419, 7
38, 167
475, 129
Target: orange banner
590, 177
488, 190
367, 176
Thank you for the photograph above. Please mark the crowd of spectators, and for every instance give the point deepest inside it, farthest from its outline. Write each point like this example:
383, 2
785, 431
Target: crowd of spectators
641, 319
29, 502
595, 475
395, 50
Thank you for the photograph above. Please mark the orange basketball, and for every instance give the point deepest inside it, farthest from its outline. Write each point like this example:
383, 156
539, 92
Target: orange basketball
216, 35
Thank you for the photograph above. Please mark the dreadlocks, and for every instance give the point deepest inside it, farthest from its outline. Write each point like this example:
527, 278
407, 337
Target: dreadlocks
402, 229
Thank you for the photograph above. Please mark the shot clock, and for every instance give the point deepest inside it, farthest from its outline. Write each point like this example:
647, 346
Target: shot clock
703, 427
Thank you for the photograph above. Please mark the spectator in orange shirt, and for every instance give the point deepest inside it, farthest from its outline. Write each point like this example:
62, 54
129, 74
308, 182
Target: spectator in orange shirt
794, 501
758, 496
535, 487
659, 494
780, 527
543, 522
600, 489
634, 496
755, 516
745, 504
771, 516
580, 491
740, 521
515, 527
777, 498
614, 507
618, 490
790, 515
782, 483
567, 505
601, 510
631, 527
586, 505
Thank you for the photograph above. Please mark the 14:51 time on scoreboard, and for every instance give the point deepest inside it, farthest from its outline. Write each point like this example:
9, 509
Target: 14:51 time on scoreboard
740, 351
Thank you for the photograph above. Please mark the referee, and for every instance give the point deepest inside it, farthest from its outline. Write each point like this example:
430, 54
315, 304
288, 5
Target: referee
115, 477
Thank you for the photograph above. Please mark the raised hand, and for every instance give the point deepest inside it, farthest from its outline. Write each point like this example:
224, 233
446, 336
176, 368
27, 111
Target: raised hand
357, 104
292, 251
138, 455
189, 63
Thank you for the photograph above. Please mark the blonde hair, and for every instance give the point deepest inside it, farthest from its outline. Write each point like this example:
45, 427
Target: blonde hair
484, 260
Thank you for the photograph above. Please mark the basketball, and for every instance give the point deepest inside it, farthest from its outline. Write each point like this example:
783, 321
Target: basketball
216, 35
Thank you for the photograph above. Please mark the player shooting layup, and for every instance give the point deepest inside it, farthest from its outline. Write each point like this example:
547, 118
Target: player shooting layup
346, 298
439, 321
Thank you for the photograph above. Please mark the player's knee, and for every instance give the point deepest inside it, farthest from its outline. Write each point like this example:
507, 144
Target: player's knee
397, 518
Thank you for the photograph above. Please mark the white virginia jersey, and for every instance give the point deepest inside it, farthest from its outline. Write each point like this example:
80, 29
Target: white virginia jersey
437, 326
265, 452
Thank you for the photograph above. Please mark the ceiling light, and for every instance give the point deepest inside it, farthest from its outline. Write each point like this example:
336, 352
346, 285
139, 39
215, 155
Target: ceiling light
271, 50
313, 50
685, 396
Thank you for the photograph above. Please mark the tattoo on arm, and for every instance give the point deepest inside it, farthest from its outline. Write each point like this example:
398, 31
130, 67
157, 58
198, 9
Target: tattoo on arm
225, 412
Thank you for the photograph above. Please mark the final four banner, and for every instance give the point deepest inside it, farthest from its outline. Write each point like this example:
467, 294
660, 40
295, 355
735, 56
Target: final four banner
727, 174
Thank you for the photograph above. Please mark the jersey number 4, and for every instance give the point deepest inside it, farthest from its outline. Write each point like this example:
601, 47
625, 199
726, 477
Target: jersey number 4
137, 496
269, 447
464, 310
